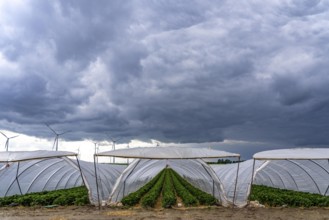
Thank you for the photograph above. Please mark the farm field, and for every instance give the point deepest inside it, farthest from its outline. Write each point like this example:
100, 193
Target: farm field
153, 201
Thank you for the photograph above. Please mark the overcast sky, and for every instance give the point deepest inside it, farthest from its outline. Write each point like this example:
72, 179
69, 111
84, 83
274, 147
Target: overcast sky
252, 74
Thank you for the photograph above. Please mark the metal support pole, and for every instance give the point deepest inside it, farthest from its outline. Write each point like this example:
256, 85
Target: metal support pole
19, 186
213, 181
236, 181
252, 179
82, 177
99, 202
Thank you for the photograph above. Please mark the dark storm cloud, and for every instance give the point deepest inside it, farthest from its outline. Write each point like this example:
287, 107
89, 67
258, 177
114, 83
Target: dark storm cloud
174, 71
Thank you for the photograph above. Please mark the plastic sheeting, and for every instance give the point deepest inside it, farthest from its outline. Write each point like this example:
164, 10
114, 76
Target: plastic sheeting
38, 175
310, 175
299, 175
227, 175
139, 172
294, 154
58, 172
168, 153
107, 175
14, 156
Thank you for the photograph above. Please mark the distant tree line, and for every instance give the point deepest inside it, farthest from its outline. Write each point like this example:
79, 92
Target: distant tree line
225, 161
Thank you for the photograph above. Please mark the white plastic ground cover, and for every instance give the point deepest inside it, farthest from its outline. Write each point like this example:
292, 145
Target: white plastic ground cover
141, 171
168, 153
54, 172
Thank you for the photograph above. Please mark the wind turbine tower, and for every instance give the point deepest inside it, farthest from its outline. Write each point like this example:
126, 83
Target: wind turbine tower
55, 145
113, 145
7, 141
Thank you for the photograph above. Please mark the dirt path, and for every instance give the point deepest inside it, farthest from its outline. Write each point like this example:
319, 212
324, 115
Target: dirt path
92, 213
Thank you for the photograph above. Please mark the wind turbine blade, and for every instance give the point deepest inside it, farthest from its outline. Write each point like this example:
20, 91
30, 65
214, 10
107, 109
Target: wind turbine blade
51, 129
13, 137
3, 134
64, 132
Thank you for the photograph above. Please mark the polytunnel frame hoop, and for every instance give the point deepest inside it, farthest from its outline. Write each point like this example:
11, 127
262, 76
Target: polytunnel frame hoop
18, 175
328, 185
307, 174
97, 187
287, 172
213, 181
19, 186
236, 181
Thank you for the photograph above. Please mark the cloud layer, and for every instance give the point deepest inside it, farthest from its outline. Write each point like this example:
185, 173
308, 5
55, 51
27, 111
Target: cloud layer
174, 71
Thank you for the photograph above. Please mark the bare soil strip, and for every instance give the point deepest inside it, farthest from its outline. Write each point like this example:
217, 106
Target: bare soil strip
201, 213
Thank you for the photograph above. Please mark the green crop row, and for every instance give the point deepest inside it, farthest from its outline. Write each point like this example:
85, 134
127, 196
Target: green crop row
150, 198
203, 197
170, 184
187, 197
133, 198
168, 192
74, 196
279, 197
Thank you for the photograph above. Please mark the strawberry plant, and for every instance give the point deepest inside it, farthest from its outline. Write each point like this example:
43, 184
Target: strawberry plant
133, 198
203, 197
168, 191
279, 197
151, 196
78, 196
187, 197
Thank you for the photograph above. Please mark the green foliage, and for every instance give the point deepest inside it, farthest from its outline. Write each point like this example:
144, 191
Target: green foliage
187, 197
169, 183
279, 197
133, 198
77, 196
151, 196
203, 197
168, 191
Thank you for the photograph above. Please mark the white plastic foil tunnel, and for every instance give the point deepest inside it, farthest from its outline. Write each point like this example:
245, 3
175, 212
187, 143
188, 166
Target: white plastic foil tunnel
25, 172
304, 170
185, 161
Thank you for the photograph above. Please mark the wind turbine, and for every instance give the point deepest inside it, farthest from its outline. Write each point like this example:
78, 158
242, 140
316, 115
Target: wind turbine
128, 158
8, 138
96, 147
55, 145
113, 144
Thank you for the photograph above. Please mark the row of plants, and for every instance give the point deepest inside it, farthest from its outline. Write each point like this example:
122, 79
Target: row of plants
150, 198
168, 184
280, 197
203, 197
134, 198
168, 192
187, 198
64, 197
